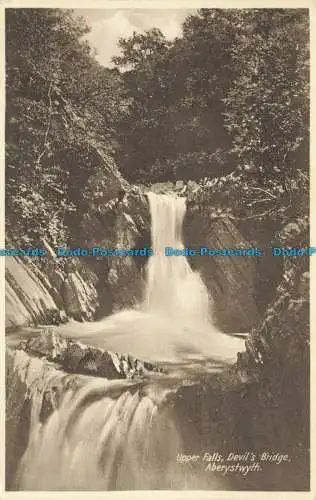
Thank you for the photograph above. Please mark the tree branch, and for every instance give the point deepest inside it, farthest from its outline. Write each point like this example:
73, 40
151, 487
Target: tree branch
264, 191
48, 125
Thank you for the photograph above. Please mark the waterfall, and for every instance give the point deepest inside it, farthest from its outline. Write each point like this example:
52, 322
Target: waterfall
101, 435
96, 441
116, 435
174, 321
173, 289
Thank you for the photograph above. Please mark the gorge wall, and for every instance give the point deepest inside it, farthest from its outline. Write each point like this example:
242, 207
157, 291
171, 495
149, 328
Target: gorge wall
50, 289
247, 406
177, 113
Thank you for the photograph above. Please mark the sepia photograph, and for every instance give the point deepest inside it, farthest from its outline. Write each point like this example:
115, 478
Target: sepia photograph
157, 249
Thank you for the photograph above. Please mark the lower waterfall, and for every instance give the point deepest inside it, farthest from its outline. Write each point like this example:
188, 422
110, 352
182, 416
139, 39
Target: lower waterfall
121, 435
103, 435
99, 441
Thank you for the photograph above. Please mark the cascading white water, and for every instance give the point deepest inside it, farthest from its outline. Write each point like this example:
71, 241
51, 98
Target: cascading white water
111, 434
173, 322
102, 435
173, 289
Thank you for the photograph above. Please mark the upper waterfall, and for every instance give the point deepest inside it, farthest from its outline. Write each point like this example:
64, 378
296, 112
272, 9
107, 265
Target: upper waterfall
172, 288
173, 322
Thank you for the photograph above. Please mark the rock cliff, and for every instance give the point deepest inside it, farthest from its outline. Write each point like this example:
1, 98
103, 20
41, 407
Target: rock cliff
260, 404
49, 290
45, 293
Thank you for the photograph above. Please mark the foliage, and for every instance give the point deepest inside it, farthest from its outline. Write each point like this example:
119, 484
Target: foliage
236, 81
175, 92
61, 106
180, 167
226, 104
267, 106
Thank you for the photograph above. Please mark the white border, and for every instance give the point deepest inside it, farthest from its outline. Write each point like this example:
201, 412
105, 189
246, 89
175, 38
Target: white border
168, 495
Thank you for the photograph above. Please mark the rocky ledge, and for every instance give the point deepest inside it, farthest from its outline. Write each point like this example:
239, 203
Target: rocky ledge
75, 357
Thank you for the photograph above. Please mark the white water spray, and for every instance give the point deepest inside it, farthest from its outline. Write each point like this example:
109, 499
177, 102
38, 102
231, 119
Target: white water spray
118, 435
173, 289
174, 322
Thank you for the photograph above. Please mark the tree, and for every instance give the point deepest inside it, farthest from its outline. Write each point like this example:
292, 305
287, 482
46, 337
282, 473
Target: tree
175, 92
233, 88
267, 106
60, 105
144, 59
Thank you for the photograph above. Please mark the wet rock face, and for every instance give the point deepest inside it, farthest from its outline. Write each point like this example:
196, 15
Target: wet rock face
28, 300
275, 369
80, 298
44, 293
75, 357
230, 280
125, 278
121, 222
277, 352
281, 340
18, 415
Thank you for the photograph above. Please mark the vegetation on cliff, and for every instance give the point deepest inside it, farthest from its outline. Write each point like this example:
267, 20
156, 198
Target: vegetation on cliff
225, 104
60, 112
224, 97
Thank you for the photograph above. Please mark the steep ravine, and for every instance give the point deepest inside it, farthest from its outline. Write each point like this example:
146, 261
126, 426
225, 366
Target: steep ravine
51, 289
256, 405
